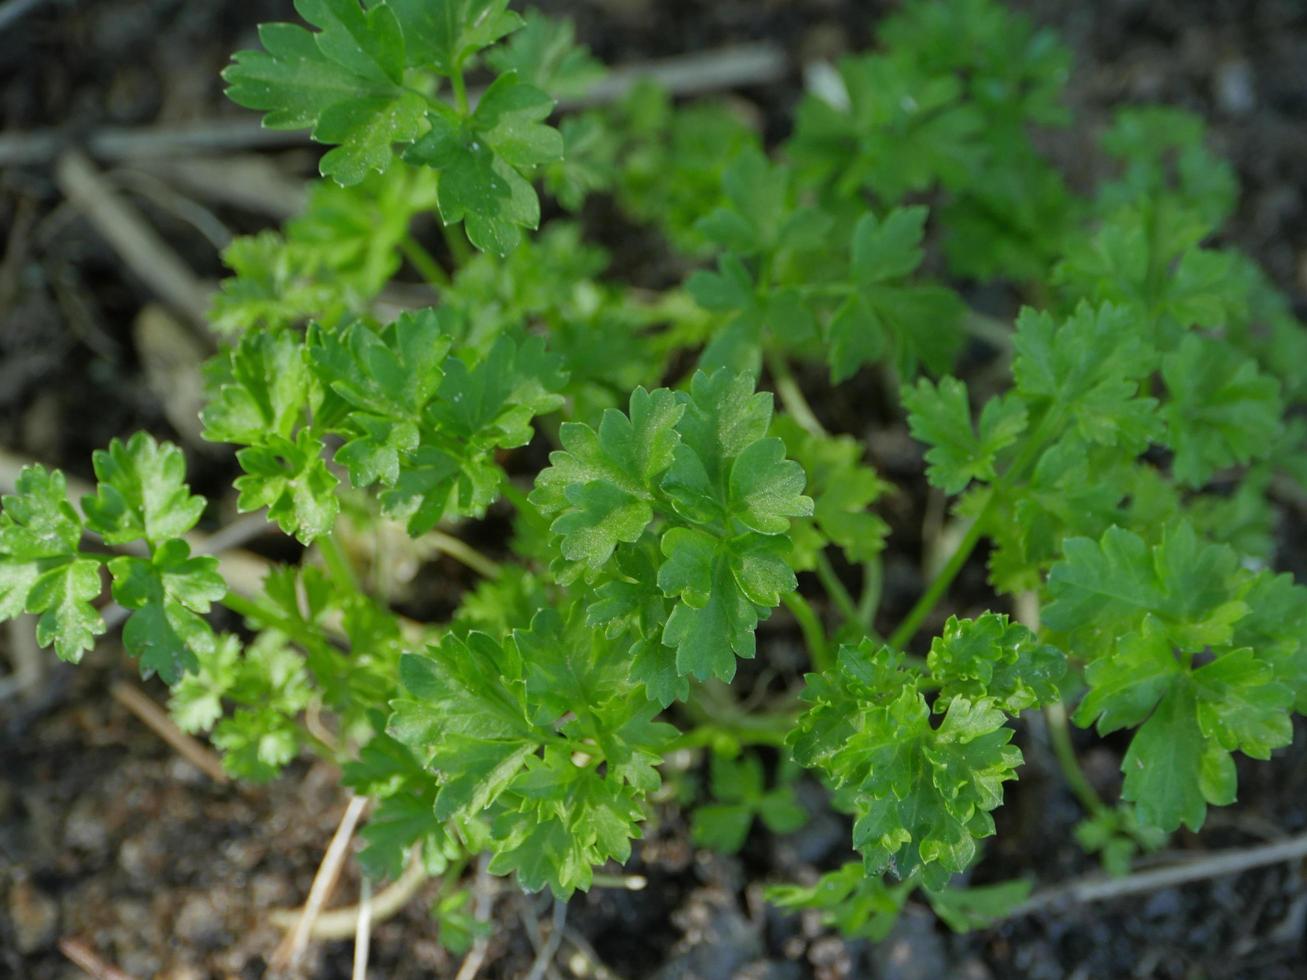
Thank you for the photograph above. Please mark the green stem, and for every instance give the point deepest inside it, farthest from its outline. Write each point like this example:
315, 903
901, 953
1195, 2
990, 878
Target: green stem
791, 395
460, 89
1029, 453
247, 608
830, 581
814, 635
869, 600
456, 242
461, 551
1059, 734
338, 564
422, 260
907, 629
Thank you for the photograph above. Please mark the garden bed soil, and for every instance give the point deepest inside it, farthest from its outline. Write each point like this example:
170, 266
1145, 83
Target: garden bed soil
107, 836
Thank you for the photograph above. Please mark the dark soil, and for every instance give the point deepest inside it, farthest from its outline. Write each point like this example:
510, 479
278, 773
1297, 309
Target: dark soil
108, 836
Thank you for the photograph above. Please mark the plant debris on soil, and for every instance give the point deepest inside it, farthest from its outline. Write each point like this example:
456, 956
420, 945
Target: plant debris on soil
108, 837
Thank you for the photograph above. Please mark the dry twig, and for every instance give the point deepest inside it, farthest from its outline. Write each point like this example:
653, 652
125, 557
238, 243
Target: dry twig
155, 718
131, 236
291, 951
1228, 862
88, 962
484, 903
341, 923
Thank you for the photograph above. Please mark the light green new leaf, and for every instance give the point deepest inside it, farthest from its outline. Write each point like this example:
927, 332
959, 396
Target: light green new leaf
40, 570
142, 493
990, 657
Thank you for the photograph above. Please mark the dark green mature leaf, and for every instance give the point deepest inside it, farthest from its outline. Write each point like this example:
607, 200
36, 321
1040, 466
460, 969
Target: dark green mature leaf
1089, 368
388, 377
882, 315
1223, 411
960, 452
168, 595
603, 482
486, 160
345, 83
444, 34
1106, 588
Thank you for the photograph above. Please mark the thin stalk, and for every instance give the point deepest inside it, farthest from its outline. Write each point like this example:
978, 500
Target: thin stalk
830, 581
907, 629
463, 552
814, 635
249, 609
338, 564
792, 396
873, 576
425, 263
457, 243
912, 622
460, 89
1059, 735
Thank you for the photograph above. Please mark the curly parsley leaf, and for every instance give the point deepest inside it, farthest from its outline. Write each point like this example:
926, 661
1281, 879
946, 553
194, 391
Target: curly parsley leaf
168, 594
344, 82
486, 160
922, 793
990, 657
960, 451
41, 569
142, 493
882, 314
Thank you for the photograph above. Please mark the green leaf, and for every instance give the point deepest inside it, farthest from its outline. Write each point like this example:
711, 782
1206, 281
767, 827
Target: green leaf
142, 493
921, 794
602, 483
994, 658
918, 324
1164, 765
1089, 367
713, 622
1242, 706
1106, 588
1125, 687
766, 489
196, 700
843, 490
265, 390
344, 82
62, 597
168, 594
545, 54
940, 415
292, 480
1223, 411
40, 568
388, 377
444, 34
486, 161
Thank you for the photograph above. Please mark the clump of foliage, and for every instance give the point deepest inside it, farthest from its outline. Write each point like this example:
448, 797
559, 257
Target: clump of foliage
1118, 471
